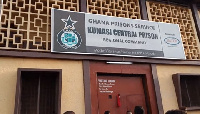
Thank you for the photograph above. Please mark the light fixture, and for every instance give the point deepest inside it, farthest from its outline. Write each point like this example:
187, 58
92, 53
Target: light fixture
114, 62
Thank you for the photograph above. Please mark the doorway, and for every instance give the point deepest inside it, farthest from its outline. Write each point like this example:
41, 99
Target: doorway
119, 93
120, 88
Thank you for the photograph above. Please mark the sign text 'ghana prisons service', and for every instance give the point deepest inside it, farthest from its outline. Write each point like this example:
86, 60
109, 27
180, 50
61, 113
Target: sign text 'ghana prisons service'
84, 33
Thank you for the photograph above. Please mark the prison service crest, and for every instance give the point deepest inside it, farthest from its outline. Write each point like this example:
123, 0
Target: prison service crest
68, 37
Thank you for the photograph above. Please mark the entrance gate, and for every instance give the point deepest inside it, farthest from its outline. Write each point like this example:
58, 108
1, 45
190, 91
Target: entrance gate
120, 88
119, 93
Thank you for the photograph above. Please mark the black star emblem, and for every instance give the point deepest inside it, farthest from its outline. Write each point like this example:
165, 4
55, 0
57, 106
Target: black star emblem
69, 22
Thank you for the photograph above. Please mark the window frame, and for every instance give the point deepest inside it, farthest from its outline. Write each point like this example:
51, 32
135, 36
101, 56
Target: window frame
19, 86
177, 84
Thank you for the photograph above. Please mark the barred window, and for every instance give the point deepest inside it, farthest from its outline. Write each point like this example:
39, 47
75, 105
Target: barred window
38, 91
187, 88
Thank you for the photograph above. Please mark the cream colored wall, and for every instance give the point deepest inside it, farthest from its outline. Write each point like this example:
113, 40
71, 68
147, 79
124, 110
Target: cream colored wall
167, 89
72, 82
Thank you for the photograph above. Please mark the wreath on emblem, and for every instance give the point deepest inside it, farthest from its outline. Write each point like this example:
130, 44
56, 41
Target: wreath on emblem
68, 37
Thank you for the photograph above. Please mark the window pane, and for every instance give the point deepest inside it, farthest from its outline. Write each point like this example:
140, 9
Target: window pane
184, 92
47, 94
29, 93
41, 87
190, 91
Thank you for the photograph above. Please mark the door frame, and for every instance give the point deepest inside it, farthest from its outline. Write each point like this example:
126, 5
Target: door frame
90, 80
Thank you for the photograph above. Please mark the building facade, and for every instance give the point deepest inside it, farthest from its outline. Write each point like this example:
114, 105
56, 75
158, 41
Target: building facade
33, 80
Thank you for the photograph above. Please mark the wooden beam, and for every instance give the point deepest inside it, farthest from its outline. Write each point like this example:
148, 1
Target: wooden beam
195, 14
143, 10
40, 55
87, 92
1, 5
83, 5
157, 89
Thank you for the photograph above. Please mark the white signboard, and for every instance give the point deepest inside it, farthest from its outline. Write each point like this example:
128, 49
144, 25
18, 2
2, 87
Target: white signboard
104, 35
105, 86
